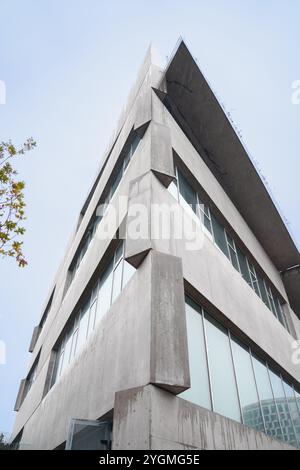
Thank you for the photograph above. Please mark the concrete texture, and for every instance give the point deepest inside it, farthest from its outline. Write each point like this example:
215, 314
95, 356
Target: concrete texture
153, 419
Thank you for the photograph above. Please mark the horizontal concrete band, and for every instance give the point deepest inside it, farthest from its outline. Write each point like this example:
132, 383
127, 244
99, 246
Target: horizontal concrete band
153, 419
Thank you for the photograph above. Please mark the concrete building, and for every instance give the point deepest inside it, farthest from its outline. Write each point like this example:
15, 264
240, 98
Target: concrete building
146, 342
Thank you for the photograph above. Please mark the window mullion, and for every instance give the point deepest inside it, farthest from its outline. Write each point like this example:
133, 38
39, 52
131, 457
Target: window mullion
235, 377
207, 360
257, 390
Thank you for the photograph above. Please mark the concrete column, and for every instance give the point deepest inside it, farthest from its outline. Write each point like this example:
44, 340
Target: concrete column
169, 363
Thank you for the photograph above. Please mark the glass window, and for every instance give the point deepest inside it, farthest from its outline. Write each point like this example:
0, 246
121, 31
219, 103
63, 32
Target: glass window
219, 235
83, 325
244, 266
104, 296
207, 219
254, 280
273, 427
283, 409
116, 181
173, 189
119, 252
225, 398
74, 341
251, 409
205, 215
263, 290
199, 392
90, 232
271, 301
135, 143
67, 353
280, 314
117, 281
232, 252
127, 159
294, 407
297, 395
96, 223
92, 317
58, 365
128, 271
99, 301
188, 197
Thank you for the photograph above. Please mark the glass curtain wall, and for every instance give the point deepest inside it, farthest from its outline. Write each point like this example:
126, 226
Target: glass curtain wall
88, 236
227, 378
185, 194
105, 291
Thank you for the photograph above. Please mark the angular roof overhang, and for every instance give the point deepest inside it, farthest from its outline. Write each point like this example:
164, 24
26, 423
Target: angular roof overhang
223, 152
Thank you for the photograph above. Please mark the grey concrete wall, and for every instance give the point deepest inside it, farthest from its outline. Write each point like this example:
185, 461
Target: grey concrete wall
136, 343
116, 356
153, 419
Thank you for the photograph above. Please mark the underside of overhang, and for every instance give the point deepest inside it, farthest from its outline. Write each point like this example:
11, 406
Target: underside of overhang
198, 112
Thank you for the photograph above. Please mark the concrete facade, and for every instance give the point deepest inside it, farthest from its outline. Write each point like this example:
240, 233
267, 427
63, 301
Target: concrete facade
136, 361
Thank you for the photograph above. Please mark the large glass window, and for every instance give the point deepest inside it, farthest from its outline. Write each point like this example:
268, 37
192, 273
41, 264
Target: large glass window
263, 290
128, 271
225, 397
280, 314
104, 295
104, 292
117, 281
251, 409
294, 408
219, 235
244, 267
173, 189
254, 279
232, 252
185, 194
287, 425
31, 377
67, 352
273, 427
83, 326
125, 157
199, 392
227, 378
271, 301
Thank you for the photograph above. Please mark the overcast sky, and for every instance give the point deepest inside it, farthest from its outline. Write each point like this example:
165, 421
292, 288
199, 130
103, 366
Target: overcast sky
68, 66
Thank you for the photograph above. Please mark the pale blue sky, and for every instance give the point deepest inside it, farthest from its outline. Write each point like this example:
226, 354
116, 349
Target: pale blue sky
68, 66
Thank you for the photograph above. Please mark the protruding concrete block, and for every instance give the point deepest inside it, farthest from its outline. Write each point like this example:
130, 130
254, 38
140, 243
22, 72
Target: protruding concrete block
132, 418
161, 153
169, 349
138, 236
